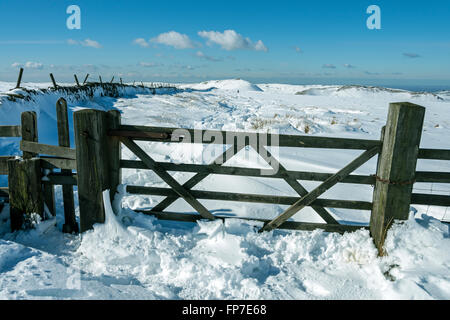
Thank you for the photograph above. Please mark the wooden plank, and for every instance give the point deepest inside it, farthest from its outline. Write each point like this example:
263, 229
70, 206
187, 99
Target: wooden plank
397, 169
39, 148
4, 164
180, 190
25, 196
176, 135
430, 199
223, 158
70, 223
56, 178
246, 172
58, 163
4, 192
317, 192
252, 198
92, 165
288, 225
10, 131
434, 154
428, 176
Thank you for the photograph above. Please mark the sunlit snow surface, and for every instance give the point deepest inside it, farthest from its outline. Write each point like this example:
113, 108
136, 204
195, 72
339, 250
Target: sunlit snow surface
133, 256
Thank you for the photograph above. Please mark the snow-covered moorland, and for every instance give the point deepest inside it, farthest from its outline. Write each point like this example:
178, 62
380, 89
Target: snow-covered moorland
133, 256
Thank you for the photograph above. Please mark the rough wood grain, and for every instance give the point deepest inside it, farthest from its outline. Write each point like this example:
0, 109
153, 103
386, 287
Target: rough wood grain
70, 223
397, 168
92, 165
39, 148
10, 131
25, 192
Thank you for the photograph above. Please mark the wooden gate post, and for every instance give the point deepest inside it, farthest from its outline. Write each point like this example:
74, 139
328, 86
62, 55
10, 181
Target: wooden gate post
92, 165
114, 152
396, 168
70, 224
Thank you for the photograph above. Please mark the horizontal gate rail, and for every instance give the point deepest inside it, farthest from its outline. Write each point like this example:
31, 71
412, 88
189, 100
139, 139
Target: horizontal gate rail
56, 178
428, 176
434, 154
10, 131
58, 163
163, 134
287, 225
246, 172
430, 199
254, 198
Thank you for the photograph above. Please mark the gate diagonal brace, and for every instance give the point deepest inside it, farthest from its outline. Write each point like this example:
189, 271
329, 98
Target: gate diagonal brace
167, 178
294, 184
196, 179
321, 189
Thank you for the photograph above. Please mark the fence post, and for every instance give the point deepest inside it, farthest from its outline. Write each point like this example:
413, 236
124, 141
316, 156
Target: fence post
70, 224
55, 86
19, 79
396, 169
92, 165
25, 190
30, 133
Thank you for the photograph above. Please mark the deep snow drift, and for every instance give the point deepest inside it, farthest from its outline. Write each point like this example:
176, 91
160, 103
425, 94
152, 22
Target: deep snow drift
133, 256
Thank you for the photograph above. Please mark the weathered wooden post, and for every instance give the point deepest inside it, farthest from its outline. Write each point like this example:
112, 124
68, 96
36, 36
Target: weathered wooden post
30, 133
25, 190
93, 160
70, 225
53, 81
114, 152
19, 79
76, 80
24, 178
396, 168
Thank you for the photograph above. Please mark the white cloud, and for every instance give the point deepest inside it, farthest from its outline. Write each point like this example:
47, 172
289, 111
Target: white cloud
231, 40
141, 42
174, 39
329, 66
148, 64
85, 43
29, 65
201, 55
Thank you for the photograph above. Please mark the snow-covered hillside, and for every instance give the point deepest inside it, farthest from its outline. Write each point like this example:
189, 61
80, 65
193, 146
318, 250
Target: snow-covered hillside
134, 256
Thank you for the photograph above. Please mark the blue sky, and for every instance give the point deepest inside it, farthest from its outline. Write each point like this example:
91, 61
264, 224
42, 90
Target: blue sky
181, 41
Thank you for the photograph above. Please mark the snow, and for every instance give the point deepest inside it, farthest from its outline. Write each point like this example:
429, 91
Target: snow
133, 256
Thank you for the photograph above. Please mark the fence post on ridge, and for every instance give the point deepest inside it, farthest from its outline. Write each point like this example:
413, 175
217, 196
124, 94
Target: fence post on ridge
396, 169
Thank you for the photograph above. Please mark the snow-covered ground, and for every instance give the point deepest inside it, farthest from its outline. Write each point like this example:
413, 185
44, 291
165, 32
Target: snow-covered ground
138, 257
